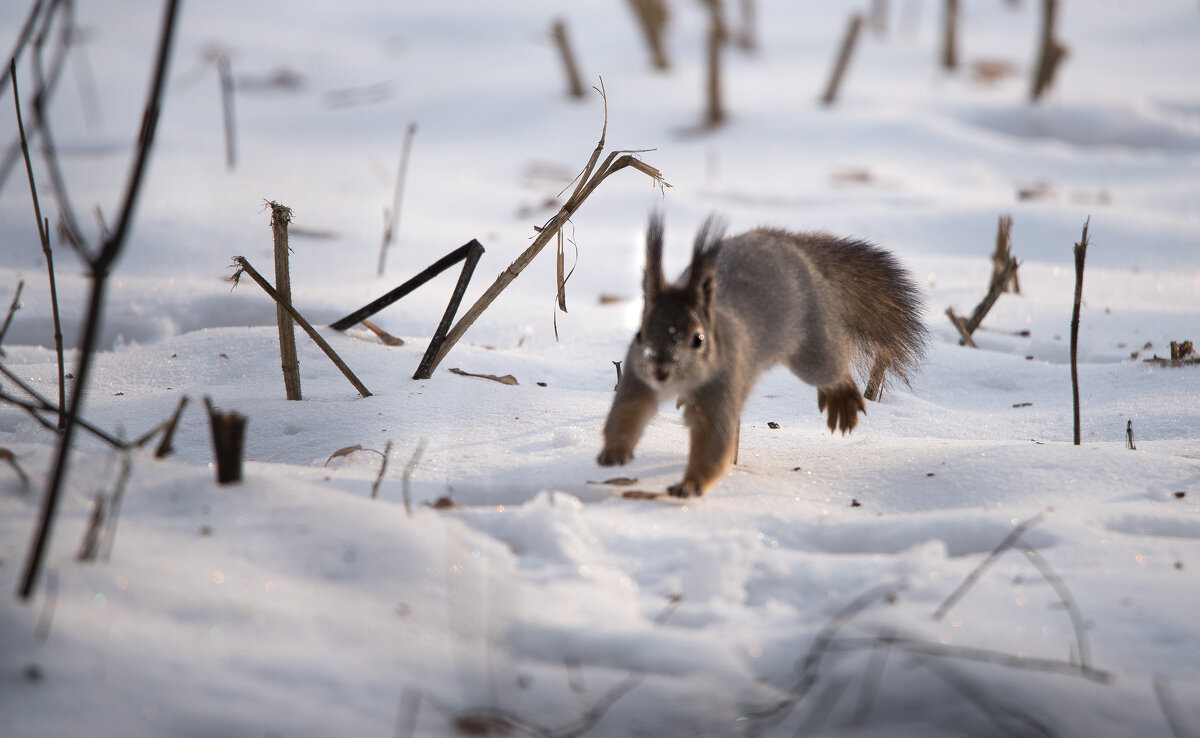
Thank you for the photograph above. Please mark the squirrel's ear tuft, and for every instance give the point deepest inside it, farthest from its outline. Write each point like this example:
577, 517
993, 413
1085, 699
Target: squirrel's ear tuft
653, 281
702, 280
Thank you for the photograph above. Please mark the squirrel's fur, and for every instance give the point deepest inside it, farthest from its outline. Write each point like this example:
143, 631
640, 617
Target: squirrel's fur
813, 302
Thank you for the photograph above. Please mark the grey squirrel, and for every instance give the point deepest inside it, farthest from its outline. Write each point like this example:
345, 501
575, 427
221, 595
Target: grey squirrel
816, 303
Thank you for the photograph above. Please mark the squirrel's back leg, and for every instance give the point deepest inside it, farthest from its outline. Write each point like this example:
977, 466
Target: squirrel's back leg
632, 408
829, 371
712, 423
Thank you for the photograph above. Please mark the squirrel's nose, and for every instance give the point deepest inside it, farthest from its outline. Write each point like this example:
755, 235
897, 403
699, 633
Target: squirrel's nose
661, 374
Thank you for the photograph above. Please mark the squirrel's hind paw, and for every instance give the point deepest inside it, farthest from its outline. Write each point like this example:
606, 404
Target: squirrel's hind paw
685, 488
614, 457
844, 402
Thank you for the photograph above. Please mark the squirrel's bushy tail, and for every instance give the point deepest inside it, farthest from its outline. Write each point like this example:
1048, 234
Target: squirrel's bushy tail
883, 309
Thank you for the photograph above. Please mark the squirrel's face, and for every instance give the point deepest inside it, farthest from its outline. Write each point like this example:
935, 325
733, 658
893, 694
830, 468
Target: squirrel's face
673, 349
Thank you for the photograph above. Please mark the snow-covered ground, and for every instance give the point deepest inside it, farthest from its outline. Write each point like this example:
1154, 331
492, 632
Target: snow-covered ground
294, 604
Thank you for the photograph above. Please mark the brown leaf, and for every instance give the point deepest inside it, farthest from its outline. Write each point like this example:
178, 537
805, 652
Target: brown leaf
607, 299
617, 481
506, 379
443, 503
343, 452
387, 338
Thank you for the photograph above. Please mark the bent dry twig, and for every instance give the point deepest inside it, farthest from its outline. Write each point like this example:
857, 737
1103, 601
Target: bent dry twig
245, 268
589, 179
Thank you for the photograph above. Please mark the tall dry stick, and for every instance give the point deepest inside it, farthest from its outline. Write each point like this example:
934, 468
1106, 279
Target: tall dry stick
950, 36
715, 109
391, 217
574, 84
589, 179
100, 265
281, 215
1050, 53
652, 16
43, 226
1080, 255
843, 60
225, 77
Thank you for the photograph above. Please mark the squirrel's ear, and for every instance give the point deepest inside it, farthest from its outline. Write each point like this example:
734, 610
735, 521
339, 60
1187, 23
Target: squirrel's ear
653, 281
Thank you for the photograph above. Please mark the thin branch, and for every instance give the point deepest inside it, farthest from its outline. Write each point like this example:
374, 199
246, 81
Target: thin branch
43, 226
387, 450
391, 220
1068, 602
1080, 255
12, 309
244, 267
99, 271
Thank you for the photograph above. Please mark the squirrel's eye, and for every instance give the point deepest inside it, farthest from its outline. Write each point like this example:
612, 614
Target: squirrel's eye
638, 337
697, 340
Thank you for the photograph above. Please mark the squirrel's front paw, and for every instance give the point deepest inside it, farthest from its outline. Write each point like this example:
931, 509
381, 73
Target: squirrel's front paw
614, 456
686, 488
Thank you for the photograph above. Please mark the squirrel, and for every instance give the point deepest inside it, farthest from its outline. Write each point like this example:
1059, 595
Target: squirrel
814, 302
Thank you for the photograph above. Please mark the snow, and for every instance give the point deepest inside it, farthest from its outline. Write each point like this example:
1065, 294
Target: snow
294, 604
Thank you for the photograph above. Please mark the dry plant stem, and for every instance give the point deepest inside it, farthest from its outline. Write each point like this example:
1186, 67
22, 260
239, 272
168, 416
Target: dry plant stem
968, 653
1050, 52
225, 75
9, 458
392, 217
574, 84
748, 35
960, 324
652, 18
12, 309
978, 571
49, 605
100, 266
114, 505
312, 332
1129, 435
45, 88
1169, 707
387, 450
715, 111
1002, 715
406, 480
1080, 255
470, 252
23, 37
91, 535
1068, 602
1000, 278
950, 36
164, 446
43, 226
1003, 255
228, 434
588, 182
281, 215
843, 60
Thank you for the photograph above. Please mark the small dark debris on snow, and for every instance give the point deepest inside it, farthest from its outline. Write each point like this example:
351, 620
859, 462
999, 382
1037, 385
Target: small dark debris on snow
855, 503
1180, 494
773, 425
1022, 404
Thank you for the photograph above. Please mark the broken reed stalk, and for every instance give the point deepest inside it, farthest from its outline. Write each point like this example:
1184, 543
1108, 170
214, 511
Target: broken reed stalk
12, 309
244, 267
1050, 53
843, 60
281, 215
225, 75
1003, 255
228, 435
714, 113
574, 84
950, 36
114, 505
91, 535
652, 16
43, 226
100, 264
1000, 278
1129, 435
391, 217
1080, 255
589, 179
